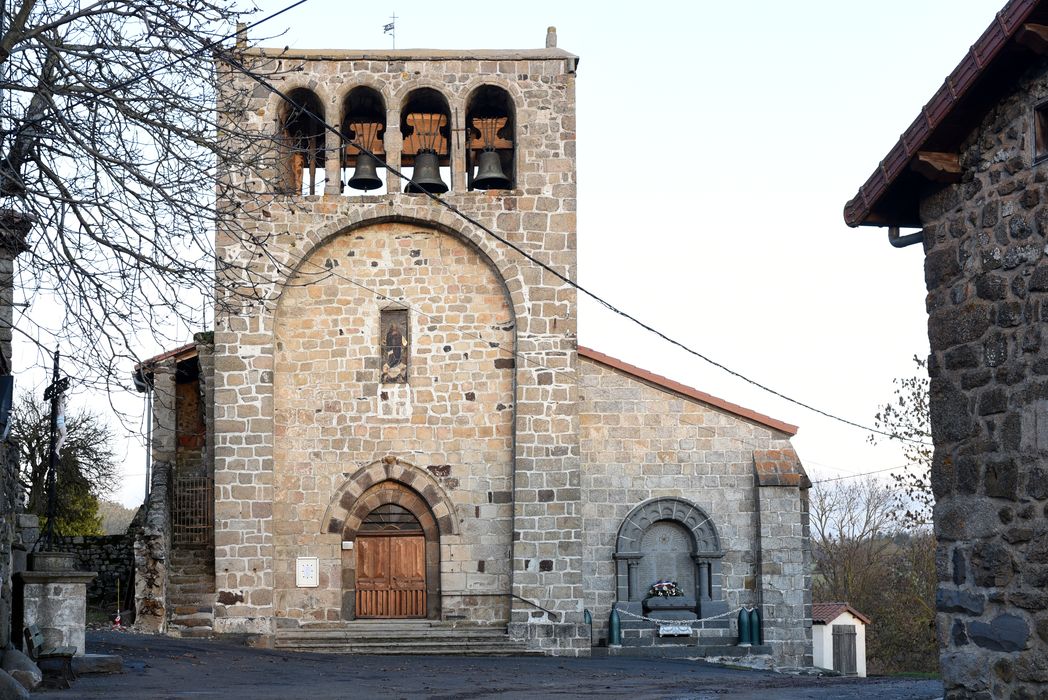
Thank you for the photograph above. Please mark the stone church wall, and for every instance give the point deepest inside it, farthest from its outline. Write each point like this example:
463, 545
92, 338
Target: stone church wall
538, 216
641, 442
453, 420
987, 277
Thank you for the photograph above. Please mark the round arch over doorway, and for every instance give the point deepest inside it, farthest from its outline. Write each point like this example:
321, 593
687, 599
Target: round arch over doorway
393, 569
389, 468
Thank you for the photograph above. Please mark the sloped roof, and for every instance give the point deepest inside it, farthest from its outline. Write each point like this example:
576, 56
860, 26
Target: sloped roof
178, 354
144, 370
890, 196
686, 391
825, 613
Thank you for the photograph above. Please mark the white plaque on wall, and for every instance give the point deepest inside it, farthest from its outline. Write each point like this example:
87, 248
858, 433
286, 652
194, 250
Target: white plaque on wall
307, 573
671, 630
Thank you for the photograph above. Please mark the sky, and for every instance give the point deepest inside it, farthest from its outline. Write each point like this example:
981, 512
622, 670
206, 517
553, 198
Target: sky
717, 145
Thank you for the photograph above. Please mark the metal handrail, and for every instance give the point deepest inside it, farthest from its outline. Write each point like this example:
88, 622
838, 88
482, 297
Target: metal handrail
552, 614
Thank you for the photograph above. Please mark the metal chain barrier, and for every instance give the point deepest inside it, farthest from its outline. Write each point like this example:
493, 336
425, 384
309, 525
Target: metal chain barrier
681, 622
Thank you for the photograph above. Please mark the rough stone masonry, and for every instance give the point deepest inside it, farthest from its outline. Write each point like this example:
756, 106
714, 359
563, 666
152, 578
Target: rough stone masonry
971, 170
288, 442
987, 274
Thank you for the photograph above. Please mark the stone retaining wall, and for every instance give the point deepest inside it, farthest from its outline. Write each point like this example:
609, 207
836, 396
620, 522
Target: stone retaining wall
10, 506
111, 557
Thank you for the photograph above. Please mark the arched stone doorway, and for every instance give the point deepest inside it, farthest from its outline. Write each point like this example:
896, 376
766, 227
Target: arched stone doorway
669, 538
393, 569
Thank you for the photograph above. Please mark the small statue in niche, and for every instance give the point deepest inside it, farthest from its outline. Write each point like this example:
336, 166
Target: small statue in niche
394, 347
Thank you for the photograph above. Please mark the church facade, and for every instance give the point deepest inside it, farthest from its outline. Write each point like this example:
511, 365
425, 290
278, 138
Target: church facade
399, 424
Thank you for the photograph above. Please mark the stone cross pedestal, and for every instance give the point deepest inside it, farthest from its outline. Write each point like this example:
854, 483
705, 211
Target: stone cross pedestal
54, 598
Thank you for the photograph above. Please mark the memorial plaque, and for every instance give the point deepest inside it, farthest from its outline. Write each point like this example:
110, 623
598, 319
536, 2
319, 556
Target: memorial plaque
674, 630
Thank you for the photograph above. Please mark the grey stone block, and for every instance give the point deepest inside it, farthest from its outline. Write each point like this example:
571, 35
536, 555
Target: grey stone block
97, 663
949, 600
22, 668
11, 689
1003, 633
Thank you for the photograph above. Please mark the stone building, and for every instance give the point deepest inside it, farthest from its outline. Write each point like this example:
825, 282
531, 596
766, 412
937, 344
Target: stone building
970, 172
400, 423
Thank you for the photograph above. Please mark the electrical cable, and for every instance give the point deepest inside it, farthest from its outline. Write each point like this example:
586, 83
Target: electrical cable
332, 272
855, 476
207, 46
223, 55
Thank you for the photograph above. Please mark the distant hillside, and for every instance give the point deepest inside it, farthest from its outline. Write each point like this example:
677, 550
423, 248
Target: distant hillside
115, 517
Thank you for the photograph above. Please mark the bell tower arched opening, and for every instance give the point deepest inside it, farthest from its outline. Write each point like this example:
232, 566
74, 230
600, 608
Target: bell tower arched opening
302, 134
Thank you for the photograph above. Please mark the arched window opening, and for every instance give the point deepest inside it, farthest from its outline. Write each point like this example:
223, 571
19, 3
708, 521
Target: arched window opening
363, 124
391, 518
426, 125
491, 146
302, 130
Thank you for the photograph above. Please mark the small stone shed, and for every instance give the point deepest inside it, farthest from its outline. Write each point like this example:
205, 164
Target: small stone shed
838, 637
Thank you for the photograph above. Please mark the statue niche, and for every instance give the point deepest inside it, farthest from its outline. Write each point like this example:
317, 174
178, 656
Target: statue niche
675, 540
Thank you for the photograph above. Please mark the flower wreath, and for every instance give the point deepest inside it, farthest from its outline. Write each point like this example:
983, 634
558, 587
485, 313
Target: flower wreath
664, 589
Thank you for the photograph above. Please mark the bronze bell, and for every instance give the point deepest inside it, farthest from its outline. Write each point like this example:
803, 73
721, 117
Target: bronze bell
426, 175
365, 174
489, 172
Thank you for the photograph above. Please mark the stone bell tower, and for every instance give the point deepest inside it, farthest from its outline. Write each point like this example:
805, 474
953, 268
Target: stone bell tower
396, 398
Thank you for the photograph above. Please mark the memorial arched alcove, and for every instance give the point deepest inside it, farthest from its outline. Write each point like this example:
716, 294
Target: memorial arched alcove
669, 539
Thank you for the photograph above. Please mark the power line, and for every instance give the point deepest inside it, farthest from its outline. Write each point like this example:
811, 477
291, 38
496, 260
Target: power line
556, 273
206, 47
333, 272
855, 476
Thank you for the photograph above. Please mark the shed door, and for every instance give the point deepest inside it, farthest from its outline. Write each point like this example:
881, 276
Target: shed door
844, 649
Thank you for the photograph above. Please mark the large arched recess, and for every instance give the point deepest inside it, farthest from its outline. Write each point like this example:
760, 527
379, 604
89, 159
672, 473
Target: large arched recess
504, 263
392, 492
328, 397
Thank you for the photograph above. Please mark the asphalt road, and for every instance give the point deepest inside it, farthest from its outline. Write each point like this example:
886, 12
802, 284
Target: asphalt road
157, 668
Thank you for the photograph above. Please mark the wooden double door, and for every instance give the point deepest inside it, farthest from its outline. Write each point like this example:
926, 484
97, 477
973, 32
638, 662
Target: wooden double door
391, 575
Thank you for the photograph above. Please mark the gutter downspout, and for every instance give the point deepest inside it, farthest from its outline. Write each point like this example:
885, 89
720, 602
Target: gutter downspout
513, 465
138, 378
898, 241
758, 571
149, 441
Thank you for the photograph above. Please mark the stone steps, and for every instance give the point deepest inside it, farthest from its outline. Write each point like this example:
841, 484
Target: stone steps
386, 638
684, 652
191, 587
191, 609
192, 632
197, 619
194, 585
384, 635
